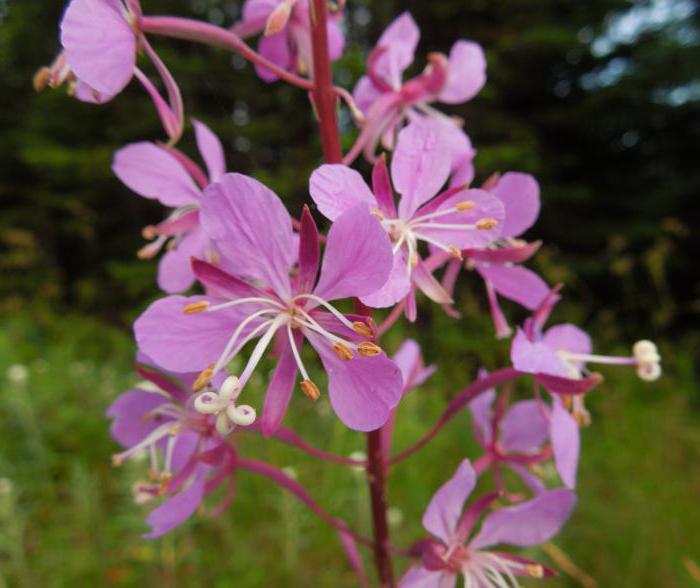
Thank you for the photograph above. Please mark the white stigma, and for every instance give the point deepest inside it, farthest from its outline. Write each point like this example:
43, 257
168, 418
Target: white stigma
223, 406
648, 360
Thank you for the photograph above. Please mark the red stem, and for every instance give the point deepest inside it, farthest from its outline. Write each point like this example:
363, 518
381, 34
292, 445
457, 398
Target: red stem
323, 94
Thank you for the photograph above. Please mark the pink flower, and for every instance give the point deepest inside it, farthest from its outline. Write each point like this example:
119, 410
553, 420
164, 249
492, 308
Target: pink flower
169, 176
286, 29
456, 550
455, 219
253, 232
387, 101
189, 457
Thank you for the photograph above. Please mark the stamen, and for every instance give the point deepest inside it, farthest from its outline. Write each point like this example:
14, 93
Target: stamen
310, 389
343, 352
261, 347
277, 306
363, 329
465, 205
296, 354
195, 307
377, 213
332, 309
203, 379
41, 79
534, 571
310, 323
149, 232
369, 349
151, 250
455, 252
486, 224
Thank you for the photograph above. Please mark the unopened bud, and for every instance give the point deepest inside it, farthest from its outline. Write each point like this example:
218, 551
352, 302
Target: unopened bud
310, 389
343, 352
369, 349
486, 224
203, 379
195, 307
465, 205
363, 329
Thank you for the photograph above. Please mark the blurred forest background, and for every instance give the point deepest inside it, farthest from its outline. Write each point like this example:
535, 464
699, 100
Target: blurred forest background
598, 99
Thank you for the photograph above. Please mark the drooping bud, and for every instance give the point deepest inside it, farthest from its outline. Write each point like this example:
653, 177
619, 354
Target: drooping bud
310, 390
486, 224
196, 307
369, 349
343, 352
203, 379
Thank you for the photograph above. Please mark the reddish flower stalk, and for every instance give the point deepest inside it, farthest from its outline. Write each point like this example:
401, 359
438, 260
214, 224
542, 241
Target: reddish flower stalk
324, 98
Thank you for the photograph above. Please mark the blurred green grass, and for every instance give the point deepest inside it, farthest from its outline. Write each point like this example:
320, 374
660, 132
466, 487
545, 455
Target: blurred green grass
67, 519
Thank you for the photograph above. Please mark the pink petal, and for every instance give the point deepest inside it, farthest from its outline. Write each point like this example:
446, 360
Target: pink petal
181, 342
516, 283
127, 412
565, 436
100, 45
309, 252
445, 508
419, 577
152, 172
399, 40
365, 94
481, 410
426, 283
281, 386
176, 510
381, 186
527, 524
466, 73
409, 360
568, 337
524, 427
211, 150
221, 284
358, 257
396, 287
85, 93
251, 229
520, 194
536, 358
276, 49
175, 269
255, 14
336, 188
363, 390
336, 40
420, 166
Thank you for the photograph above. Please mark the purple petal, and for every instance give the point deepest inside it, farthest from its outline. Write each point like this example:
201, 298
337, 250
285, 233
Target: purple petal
251, 228
309, 252
481, 410
568, 337
445, 508
524, 427
152, 172
520, 194
281, 386
365, 94
175, 269
409, 360
85, 93
336, 188
399, 40
419, 577
211, 150
534, 483
535, 358
565, 436
219, 283
336, 40
363, 390
381, 186
516, 283
100, 45
427, 284
176, 510
186, 445
358, 257
527, 524
396, 287
466, 73
276, 49
255, 14
181, 342
127, 412
420, 166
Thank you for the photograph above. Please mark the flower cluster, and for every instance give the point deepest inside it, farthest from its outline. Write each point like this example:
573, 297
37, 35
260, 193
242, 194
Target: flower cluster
244, 280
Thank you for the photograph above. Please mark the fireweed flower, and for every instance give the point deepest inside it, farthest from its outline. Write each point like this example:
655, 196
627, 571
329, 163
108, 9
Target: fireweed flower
456, 550
100, 40
515, 436
558, 356
455, 219
253, 231
169, 176
286, 29
187, 452
388, 102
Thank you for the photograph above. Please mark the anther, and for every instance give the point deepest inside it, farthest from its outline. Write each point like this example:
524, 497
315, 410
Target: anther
377, 213
363, 329
486, 224
310, 389
203, 379
343, 352
41, 79
455, 252
534, 570
196, 307
465, 205
369, 349
149, 232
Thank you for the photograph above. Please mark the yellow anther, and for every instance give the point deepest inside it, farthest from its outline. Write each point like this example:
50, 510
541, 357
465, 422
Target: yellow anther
41, 78
486, 224
369, 349
465, 205
454, 252
310, 389
149, 232
377, 213
363, 329
343, 352
196, 307
203, 379
413, 259
534, 570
